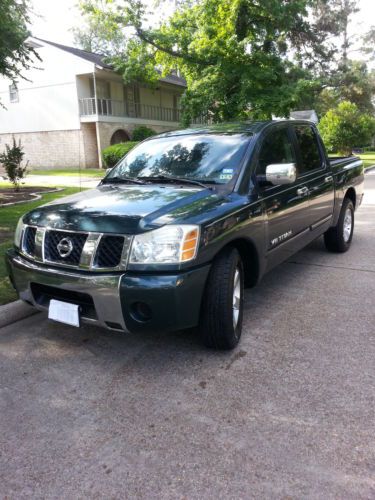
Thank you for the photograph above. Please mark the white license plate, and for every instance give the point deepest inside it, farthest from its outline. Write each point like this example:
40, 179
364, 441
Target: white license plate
63, 312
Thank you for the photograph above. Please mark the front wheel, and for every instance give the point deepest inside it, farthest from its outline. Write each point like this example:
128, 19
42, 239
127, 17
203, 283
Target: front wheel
222, 308
339, 238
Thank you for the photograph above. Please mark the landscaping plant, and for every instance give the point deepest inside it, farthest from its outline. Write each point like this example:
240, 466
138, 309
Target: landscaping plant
345, 127
12, 160
113, 154
141, 133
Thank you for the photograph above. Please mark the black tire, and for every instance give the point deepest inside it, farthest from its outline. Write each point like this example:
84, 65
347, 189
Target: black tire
217, 318
335, 239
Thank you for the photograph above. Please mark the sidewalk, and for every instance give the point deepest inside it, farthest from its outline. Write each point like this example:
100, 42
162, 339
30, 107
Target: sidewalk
55, 180
63, 180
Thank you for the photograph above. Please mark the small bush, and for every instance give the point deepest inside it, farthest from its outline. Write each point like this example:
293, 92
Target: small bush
345, 127
141, 133
12, 159
113, 154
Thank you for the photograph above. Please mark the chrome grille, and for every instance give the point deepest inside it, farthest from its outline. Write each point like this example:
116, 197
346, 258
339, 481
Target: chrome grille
109, 251
29, 240
89, 251
54, 238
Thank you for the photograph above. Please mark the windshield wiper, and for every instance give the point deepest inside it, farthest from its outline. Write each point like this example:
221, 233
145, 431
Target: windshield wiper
168, 178
121, 180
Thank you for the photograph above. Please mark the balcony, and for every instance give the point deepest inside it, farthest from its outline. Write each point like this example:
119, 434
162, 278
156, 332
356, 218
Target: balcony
89, 107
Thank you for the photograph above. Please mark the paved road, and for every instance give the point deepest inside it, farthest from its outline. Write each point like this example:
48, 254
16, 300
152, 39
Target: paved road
290, 414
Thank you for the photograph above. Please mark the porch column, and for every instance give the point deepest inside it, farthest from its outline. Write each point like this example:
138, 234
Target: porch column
99, 144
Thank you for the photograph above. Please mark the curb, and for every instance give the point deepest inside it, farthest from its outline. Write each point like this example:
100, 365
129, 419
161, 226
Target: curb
15, 311
368, 169
38, 196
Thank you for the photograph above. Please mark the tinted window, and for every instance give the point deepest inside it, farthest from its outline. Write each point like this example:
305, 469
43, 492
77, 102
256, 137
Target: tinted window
276, 148
309, 149
204, 157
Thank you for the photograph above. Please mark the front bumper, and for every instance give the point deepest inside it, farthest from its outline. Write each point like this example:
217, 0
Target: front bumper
115, 301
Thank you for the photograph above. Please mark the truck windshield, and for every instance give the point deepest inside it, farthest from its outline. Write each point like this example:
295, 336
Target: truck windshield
208, 158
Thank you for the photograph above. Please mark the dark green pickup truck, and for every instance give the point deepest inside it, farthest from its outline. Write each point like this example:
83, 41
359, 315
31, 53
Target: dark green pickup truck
173, 234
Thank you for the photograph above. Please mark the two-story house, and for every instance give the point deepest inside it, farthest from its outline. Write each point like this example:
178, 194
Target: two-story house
71, 105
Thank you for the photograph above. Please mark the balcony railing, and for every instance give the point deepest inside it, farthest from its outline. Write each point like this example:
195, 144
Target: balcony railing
89, 106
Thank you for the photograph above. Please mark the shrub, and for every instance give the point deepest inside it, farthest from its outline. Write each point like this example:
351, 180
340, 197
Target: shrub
113, 154
141, 133
12, 160
345, 127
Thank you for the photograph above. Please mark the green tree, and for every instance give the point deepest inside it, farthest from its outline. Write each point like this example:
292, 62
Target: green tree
234, 54
99, 35
345, 127
346, 79
356, 84
12, 159
15, 54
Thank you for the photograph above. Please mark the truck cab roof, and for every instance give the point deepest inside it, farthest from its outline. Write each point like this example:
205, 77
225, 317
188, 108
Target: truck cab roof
246, 127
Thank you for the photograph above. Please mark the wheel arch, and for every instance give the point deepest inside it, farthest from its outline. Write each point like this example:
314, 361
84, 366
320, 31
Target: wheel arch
352, 195
250, 259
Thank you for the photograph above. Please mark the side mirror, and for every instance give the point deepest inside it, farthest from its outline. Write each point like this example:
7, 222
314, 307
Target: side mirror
281, 173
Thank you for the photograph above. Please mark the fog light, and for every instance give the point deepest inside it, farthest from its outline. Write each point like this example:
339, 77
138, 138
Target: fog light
140, 311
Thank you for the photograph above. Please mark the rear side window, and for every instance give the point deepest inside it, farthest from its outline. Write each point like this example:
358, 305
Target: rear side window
276, 148
311, 158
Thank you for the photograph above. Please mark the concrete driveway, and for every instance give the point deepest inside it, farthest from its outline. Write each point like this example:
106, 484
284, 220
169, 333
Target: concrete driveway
290, 414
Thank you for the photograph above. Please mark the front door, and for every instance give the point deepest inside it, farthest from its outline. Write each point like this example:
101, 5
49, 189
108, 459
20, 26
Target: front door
285, 206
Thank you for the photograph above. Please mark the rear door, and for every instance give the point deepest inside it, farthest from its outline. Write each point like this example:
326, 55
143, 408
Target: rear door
315, 174
285, 207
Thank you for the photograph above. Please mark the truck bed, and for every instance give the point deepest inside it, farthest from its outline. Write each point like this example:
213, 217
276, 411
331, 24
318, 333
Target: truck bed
342, 161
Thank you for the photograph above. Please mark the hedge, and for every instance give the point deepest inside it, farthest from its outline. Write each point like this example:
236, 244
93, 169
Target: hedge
141, 133
113, 154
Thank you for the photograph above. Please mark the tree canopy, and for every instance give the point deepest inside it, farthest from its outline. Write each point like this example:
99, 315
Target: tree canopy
240, 58
15, 55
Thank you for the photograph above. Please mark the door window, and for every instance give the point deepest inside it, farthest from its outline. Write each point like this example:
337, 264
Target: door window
276, 148
311, 158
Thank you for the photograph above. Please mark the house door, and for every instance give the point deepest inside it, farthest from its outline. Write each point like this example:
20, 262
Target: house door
132, 100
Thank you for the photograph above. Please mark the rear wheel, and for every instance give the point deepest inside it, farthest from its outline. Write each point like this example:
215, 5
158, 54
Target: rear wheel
222, 308
339, 238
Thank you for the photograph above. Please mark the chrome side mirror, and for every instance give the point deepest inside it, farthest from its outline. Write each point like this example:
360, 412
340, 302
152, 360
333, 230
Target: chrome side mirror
281, 173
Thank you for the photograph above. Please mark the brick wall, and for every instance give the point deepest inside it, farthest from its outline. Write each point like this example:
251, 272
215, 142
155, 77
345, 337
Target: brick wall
69, 148
58, 149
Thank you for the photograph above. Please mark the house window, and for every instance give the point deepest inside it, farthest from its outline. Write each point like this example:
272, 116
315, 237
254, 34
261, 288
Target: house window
13, 93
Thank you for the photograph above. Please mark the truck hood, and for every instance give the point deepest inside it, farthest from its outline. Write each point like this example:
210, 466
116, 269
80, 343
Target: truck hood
125, 208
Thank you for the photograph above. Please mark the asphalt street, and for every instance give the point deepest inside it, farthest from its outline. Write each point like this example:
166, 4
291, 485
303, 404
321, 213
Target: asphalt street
86, 413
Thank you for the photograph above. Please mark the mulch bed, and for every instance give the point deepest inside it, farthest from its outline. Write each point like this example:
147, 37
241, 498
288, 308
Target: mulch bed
9, 195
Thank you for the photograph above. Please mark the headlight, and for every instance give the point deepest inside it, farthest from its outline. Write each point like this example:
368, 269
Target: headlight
18, 233
168, 245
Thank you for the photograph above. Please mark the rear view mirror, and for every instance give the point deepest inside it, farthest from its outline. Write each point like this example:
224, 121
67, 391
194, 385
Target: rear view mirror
281, 173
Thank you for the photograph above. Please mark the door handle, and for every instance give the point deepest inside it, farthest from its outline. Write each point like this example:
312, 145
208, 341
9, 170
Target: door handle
329, 178
303, 191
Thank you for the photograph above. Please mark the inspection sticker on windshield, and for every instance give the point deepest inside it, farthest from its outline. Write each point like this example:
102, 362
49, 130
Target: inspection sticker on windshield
63, 312
226, 174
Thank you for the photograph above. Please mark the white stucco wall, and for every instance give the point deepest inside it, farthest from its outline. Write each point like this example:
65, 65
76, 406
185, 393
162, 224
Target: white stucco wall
47, 96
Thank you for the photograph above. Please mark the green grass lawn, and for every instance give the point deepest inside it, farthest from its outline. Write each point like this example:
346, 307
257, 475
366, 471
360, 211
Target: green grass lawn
368, 159
8, 221
73, 172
